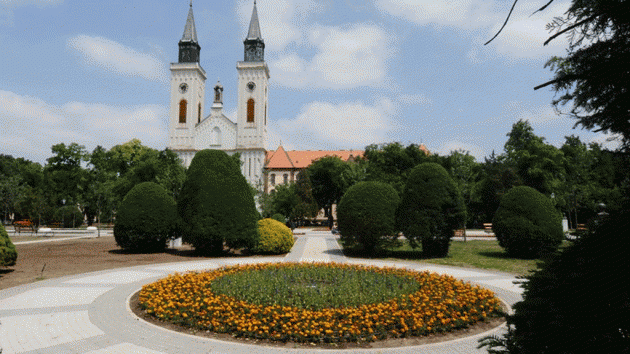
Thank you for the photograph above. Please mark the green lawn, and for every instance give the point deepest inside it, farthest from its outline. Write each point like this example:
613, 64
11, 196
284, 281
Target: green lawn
483, 254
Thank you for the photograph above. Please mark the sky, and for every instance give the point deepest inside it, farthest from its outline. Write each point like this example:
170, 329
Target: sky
344, 74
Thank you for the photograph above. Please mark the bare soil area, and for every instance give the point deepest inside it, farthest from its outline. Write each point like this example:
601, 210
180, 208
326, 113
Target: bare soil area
46, 260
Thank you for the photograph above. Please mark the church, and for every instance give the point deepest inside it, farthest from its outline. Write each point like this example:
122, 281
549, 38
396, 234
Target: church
191, 131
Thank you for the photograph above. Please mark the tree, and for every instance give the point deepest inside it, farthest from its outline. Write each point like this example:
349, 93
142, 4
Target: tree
285, 200
366, 214
307, 207
465, 171
65, 173
8, 254
431, 209
328, 178
526, 223
146, 219
574, 303
391, 163
594, 73
216, 204
539, 165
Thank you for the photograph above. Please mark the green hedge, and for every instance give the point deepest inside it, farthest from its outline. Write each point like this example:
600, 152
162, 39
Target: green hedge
146, 218
526, 223
216, 204
431, 209
275, 237
8, 253
366, 214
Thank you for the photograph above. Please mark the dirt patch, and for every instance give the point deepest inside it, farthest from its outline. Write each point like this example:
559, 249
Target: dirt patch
477, 328
46, 260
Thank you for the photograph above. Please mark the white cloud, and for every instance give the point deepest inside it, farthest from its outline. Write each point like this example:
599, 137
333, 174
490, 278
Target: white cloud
113, 56
332, 126
6, 11
462, 13
281, 21
31, 126
346, 57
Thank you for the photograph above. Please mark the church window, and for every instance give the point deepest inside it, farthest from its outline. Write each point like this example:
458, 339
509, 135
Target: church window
286, 178
216, 136
182, 111
217, 96
199, 113
273, 179
250, 110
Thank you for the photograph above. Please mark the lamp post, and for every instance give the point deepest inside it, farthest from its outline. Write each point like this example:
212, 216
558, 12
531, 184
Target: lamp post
63, 213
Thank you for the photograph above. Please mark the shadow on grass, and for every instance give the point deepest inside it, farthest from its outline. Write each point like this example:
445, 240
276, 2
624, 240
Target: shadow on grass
186, 253
6, 271
359, 252
495, 254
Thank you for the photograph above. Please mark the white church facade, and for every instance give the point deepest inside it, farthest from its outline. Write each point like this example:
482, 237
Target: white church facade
190, 131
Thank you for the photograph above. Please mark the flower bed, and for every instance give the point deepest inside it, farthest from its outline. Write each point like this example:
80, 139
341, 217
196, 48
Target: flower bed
436, 303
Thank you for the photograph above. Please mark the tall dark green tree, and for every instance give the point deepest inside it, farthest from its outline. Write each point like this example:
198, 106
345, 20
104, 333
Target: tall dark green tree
307, 207
216, 204
329, 180
431, 209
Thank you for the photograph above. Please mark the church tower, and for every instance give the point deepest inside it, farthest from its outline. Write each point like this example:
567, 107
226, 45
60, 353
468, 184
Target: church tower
188, 82
252, 107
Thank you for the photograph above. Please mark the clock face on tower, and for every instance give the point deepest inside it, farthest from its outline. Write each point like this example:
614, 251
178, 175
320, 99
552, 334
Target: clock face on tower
183, 88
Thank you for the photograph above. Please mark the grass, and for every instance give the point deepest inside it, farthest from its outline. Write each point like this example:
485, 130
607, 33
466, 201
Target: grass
308, 286
484, 254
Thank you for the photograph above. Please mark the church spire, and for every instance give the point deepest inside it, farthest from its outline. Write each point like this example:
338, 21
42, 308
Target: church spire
254, 44
189, 45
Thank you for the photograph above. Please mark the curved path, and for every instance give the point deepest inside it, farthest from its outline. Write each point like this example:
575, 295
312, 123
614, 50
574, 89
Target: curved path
88, 313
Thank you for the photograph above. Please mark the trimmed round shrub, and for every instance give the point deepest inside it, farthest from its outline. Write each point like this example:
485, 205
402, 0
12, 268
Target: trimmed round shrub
146, 218
216, 205
279, 217
431, 209
275, 237
69, 216
526, 223
366, 214
8, 253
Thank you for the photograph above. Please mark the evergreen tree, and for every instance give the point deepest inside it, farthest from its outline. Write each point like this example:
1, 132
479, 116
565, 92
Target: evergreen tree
216, 204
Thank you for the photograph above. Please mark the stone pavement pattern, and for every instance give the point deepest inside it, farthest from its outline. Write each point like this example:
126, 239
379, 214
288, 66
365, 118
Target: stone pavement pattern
89, 313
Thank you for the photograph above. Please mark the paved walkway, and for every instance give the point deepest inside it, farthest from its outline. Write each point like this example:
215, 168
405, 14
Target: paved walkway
89, 313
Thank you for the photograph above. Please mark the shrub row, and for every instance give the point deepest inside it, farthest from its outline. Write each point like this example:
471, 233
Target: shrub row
215, 209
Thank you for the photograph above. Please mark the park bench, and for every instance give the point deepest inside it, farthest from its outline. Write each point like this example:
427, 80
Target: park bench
460, 233
487, 227
581, 227
23, 224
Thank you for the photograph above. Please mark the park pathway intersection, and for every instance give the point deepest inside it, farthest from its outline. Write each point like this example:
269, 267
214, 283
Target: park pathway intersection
89, 313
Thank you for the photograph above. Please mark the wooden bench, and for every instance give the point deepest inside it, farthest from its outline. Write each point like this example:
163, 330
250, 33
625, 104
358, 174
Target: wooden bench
581, 227
487, 227
460, 233
23, 224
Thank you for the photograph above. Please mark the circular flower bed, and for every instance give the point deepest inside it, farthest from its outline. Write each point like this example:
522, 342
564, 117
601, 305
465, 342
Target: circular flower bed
417, 303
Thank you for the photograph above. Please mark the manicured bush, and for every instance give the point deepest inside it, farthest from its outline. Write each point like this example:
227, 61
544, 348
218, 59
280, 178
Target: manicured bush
146, 218
576, 302
275, 237
431, 209
279, 217
366, 214
69, 216
216, 204
526, 223
8, 254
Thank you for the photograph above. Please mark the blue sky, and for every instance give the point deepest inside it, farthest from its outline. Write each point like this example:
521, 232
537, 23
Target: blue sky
344, 74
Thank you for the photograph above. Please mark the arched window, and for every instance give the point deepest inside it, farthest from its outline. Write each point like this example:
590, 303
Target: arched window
250, 110
199, 113
183, 105
273, 179
216, 136
286, 178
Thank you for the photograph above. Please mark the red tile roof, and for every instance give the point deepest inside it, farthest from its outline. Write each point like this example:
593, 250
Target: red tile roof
281, 159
